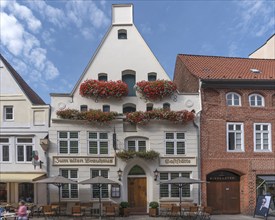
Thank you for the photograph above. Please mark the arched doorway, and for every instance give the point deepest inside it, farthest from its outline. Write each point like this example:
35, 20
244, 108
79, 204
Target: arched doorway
137, 190
223, 192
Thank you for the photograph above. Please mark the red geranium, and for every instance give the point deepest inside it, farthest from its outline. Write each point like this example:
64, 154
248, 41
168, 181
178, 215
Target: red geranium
103, 89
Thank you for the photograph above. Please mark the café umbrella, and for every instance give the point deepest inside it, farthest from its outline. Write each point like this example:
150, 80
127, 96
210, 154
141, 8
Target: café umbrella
180, 182
98, 181
57, 181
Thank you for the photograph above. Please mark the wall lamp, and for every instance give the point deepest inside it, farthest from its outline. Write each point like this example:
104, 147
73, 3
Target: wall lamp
156, 173
119, 173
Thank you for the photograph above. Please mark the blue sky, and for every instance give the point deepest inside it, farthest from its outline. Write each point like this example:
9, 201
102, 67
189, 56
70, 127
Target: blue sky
50, 42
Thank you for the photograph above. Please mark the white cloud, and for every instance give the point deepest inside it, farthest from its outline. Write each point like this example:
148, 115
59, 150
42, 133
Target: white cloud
11, 33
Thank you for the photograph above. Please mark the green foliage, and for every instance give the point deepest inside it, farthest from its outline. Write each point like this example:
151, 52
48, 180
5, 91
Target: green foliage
146, 155
153, 204
124, 204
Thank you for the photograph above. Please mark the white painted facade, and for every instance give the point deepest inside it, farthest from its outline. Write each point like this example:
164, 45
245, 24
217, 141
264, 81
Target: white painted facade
26, 124
113, 57
266, 51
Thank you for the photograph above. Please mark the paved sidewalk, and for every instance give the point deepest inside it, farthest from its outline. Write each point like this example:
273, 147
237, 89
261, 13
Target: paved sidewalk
146, 217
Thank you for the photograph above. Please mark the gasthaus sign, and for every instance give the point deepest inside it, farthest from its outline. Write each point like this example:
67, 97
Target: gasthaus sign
92, 161
179, 161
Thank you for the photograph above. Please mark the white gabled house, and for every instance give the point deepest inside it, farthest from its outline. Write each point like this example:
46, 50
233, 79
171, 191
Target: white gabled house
24, 123
81, 149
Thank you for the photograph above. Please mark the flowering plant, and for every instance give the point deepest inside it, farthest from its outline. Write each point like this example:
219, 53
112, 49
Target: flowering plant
129, 154
103, 89
153, 90
142, 118
92, 115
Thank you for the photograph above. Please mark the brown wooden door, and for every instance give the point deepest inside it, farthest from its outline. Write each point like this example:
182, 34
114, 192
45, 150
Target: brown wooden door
224, 197
137, 193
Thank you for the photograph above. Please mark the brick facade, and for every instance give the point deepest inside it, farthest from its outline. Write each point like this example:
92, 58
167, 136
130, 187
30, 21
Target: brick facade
214, 155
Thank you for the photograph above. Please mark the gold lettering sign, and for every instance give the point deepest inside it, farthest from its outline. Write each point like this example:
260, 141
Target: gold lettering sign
178, 161
91, 161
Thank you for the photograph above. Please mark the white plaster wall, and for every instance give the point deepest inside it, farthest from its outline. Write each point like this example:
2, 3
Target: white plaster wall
267, 51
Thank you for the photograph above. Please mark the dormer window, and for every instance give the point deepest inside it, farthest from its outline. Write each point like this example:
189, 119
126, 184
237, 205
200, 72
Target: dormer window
102, 77
122, 34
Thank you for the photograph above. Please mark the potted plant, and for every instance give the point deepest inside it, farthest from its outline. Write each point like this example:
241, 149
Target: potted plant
153, 208
124, 208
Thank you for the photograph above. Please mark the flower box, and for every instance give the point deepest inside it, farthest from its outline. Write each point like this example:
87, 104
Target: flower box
142, 118
153, 90
103, 89
96, 116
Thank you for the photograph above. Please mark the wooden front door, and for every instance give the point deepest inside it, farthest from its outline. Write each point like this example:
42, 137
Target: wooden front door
224, 197
137, 193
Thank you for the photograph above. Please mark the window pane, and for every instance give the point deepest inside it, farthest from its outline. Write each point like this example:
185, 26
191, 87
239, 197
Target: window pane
73, 147
24, 140
231, 141
169, 147
20, 153
73, 134
92, 135
180, 135
103, 147
29, 153
93, 147
169, 135
63, 135
103, 135
5, 153
180, 148
63, 147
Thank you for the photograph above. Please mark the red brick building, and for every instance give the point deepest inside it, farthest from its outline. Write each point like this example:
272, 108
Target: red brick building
237, 128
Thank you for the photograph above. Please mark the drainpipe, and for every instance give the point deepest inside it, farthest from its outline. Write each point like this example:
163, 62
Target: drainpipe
197, 126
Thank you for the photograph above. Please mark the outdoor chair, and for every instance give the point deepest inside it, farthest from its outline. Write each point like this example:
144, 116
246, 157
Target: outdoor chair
175, 212
207, 212
165, 209
193, 212
77, 212
110, 212
47, 211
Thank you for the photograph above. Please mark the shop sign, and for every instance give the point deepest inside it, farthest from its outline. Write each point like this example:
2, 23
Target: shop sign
220, 176
178, 161
78, 161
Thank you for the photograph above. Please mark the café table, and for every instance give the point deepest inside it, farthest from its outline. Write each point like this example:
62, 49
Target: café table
9, 215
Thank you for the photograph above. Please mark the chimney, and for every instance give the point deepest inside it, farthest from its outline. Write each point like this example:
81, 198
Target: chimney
122, 14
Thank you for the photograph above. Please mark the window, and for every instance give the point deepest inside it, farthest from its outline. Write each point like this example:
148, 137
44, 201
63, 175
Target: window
3, 192
104, 187
26, 192
8, 113
256, 100
69, 191
152, 76
175, 143
262, 137
166, 106
68, 142
149, 107
83, 108
98, 143
136, 145
172, 190
129, 108
115, 191
106, 108
235, 137
122, 34
102, 77
233, 99
24, 150
4, 150
129, 77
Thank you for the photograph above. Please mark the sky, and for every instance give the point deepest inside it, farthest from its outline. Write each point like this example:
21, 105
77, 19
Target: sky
50, 42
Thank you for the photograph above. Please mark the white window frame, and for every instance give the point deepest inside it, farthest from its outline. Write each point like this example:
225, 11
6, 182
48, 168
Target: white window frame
5, 113
3, 144
172, 187
98, 140
137, 146
262, 133
68, 140
69, 186
175, 140
105, 188
24, 145
257, 98
230, 101
240, 132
